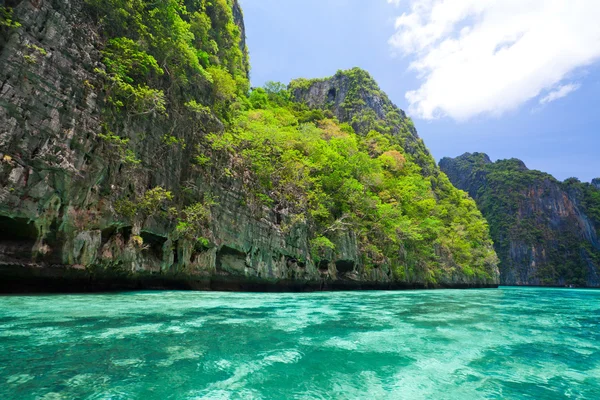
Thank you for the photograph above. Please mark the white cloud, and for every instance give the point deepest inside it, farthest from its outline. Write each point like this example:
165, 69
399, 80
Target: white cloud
490, 56
559, 93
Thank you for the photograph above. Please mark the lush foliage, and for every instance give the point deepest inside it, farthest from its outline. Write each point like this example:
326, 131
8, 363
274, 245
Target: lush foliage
153, 202
323, 173
118, 148
162, 52
7, 20
367, 108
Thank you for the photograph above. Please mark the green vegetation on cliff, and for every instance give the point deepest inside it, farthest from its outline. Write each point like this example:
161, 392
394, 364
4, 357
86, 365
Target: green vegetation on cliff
171, 51
180, 167
321, 171
545, 231
300, 161
6, 19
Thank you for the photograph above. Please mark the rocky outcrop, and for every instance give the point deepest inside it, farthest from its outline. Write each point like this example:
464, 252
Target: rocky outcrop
349, 95
66, 184
354, 97
545, 231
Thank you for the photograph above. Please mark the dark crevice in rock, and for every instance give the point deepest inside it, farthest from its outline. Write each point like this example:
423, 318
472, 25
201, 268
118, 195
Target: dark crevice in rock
323, 265
17, 239
154, 244
293, 262
176, 253
112, 231
12, 3
200, 248
331, 95
17, 229
344, 266
126, 232
107, 233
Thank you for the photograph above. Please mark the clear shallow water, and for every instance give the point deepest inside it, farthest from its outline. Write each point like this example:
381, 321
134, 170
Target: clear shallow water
488, 344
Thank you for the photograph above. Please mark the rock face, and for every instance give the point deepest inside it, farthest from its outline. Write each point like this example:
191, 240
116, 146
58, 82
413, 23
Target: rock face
238, 17
545, 231
353, 97
61, 180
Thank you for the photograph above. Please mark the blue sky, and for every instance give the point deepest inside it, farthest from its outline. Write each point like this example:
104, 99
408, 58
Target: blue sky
534, 96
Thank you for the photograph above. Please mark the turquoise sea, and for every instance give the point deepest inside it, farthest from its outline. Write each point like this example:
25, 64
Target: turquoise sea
479, 344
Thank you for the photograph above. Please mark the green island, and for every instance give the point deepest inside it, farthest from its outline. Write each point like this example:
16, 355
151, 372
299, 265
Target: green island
169, 166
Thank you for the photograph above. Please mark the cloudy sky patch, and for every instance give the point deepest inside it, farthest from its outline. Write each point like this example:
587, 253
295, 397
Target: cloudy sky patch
478, 57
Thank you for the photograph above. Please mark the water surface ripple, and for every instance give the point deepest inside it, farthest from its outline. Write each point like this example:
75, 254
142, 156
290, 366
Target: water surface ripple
480, 344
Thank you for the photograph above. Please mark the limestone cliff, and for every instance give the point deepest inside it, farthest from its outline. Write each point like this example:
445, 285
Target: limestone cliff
355, 98
545, 231
102, 169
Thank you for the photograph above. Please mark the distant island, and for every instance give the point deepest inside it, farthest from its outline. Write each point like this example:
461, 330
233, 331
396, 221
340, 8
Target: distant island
545, 231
